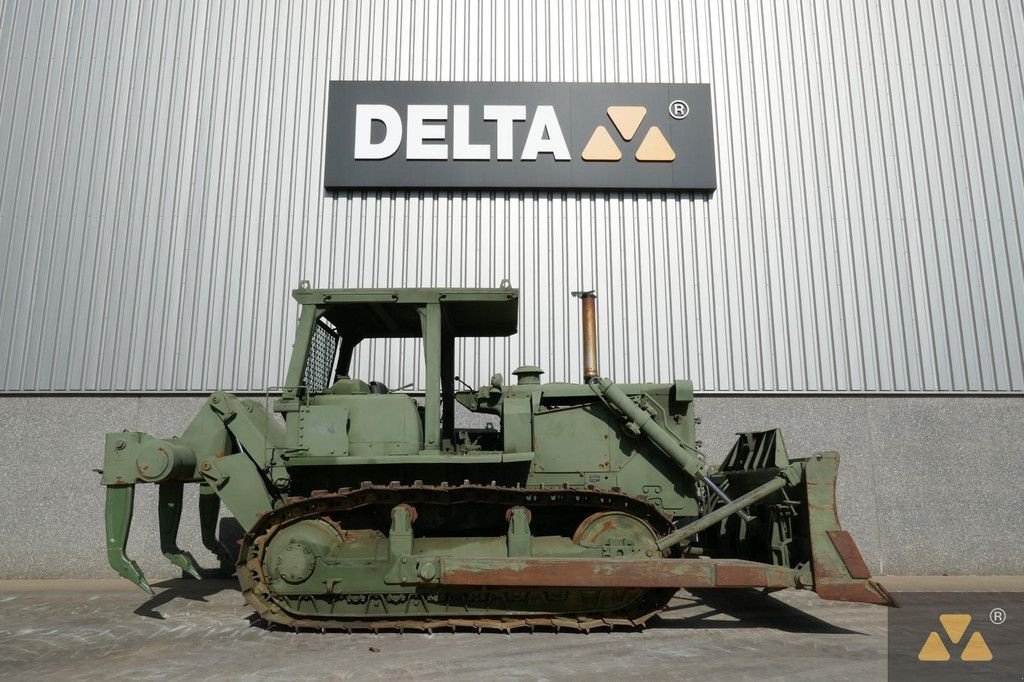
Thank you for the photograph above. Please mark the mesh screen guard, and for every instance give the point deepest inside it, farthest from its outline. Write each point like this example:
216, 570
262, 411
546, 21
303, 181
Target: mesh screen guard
323, 351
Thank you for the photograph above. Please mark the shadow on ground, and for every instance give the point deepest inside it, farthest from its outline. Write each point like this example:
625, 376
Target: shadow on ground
745, 608
184, 588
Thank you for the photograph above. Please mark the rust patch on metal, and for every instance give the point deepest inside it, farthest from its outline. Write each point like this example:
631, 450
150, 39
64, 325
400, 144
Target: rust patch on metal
849, 553
612, 573
863, 591
586, 522
753, 575
824, 570
576, 573
727, 575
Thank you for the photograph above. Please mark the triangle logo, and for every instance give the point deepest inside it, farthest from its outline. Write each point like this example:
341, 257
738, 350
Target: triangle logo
601, 147
627, 119
976, 649
655, 147
933, 649
955, 625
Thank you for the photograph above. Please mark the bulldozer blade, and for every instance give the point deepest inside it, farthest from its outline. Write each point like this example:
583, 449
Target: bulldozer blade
837, 566
119, 507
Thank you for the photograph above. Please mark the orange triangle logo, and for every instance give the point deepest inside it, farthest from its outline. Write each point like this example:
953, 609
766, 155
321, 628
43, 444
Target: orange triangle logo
933, 649
976, 649
627, 119
601, 147
655, 147
955, 625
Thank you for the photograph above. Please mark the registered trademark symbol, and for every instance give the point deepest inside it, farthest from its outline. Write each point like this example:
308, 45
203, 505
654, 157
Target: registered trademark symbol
997, 616
678, 109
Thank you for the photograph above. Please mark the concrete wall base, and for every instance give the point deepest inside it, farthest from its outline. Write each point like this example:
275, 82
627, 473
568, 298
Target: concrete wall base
928, 485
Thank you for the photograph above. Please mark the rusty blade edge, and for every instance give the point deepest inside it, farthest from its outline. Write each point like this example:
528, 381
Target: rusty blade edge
613, 573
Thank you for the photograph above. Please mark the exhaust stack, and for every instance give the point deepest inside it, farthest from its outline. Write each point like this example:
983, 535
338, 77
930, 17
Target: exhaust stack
588, 307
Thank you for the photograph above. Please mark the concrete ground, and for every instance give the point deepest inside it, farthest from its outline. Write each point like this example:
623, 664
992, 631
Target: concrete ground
108, 629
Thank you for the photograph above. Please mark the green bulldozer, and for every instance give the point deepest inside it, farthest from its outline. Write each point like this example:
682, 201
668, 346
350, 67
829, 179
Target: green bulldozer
589, 505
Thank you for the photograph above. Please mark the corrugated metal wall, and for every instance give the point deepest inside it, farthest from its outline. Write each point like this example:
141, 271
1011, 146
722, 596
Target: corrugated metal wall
162, 191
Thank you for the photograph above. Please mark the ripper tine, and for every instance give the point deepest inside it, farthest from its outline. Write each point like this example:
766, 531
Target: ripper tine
171, 495
119, 507
209, 512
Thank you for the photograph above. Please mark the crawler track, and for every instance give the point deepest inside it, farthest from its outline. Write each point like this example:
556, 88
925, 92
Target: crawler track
448, 608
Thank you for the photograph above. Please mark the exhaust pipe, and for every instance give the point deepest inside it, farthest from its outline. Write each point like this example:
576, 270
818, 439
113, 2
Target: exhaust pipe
588, 307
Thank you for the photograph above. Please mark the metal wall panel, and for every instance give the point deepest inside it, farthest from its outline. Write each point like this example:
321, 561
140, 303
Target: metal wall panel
161, 192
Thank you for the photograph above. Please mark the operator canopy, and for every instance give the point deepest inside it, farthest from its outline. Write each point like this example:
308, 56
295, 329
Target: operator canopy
394, 313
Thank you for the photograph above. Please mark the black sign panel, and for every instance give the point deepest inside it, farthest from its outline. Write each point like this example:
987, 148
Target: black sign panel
405, 135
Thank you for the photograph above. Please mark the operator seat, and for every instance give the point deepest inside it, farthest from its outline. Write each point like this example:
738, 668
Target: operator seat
348, 386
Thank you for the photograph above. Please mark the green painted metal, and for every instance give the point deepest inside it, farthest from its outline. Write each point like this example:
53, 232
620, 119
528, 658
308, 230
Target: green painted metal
209, 513
119, 508
722, 513
576, 473
640, 420
170, 499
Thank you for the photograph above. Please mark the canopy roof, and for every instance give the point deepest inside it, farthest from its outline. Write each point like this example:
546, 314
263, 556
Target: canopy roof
394, 313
